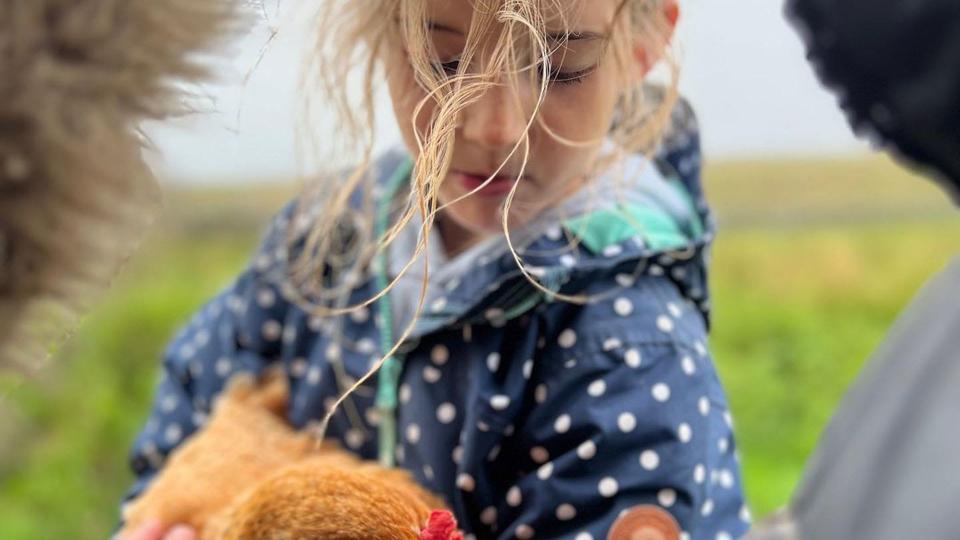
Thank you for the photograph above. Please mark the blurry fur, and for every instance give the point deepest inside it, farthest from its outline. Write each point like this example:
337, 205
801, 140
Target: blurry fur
76, 79
248, 475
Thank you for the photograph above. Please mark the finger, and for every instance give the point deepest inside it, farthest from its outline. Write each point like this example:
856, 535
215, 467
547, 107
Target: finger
151, 530
181, 532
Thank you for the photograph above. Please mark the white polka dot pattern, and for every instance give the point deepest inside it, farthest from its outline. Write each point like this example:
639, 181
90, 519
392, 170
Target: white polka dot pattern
536, 419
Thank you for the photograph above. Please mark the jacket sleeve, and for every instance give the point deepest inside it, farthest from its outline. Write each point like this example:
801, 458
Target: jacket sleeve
622, 420
240, 329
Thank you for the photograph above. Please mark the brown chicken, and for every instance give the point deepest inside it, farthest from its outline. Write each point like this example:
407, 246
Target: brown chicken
248, 475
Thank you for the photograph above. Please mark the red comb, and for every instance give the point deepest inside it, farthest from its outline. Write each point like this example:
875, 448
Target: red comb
441, 526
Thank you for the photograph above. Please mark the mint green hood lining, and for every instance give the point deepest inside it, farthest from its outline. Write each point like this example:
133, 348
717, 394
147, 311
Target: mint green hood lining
659, 230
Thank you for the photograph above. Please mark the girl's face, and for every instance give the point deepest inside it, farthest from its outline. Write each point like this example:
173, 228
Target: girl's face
579, 106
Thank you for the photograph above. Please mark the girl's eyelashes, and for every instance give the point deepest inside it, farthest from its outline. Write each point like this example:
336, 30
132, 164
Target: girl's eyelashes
569, 77
556, 76
447, 68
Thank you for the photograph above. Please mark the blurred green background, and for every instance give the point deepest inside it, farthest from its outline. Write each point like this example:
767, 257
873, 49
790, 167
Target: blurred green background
814, 261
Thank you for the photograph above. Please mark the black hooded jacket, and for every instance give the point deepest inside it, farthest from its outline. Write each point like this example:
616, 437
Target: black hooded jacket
895, 66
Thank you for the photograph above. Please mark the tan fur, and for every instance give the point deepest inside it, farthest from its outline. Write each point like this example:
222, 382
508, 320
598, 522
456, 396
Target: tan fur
248, 475
78, 76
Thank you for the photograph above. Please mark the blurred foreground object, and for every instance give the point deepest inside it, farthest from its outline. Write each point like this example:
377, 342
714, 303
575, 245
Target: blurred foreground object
886, 467
76, 79
895, 66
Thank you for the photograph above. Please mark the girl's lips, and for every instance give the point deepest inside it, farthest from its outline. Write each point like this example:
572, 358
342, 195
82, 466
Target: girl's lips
497, 187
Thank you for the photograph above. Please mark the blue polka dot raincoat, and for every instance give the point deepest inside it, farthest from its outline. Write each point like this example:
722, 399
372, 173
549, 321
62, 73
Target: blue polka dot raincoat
533, 417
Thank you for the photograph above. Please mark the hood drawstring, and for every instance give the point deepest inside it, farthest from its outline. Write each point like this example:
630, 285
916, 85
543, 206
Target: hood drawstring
388, 378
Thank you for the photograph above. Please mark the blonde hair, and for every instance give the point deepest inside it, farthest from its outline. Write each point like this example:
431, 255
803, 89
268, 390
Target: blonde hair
334, 241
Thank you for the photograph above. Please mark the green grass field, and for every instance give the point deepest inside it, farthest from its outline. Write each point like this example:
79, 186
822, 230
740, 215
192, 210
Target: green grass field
814, 261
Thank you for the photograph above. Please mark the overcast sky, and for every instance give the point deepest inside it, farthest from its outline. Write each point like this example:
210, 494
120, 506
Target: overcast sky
744, 72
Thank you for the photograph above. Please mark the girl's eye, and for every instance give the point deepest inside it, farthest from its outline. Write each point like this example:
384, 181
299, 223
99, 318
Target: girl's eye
568, 77
447, 68
556, 76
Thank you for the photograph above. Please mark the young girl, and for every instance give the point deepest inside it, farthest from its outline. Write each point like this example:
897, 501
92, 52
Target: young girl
514, 308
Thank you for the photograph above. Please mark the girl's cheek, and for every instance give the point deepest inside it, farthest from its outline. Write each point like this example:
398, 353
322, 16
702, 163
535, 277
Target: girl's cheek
406, 95
575, 114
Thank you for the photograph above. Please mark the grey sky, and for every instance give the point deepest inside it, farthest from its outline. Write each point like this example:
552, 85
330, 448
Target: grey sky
743, 70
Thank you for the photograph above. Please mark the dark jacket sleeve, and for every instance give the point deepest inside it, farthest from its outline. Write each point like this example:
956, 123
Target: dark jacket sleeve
628, 413
895, 66
240, 329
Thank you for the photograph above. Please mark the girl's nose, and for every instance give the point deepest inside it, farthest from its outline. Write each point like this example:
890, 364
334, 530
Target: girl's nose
496, 120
